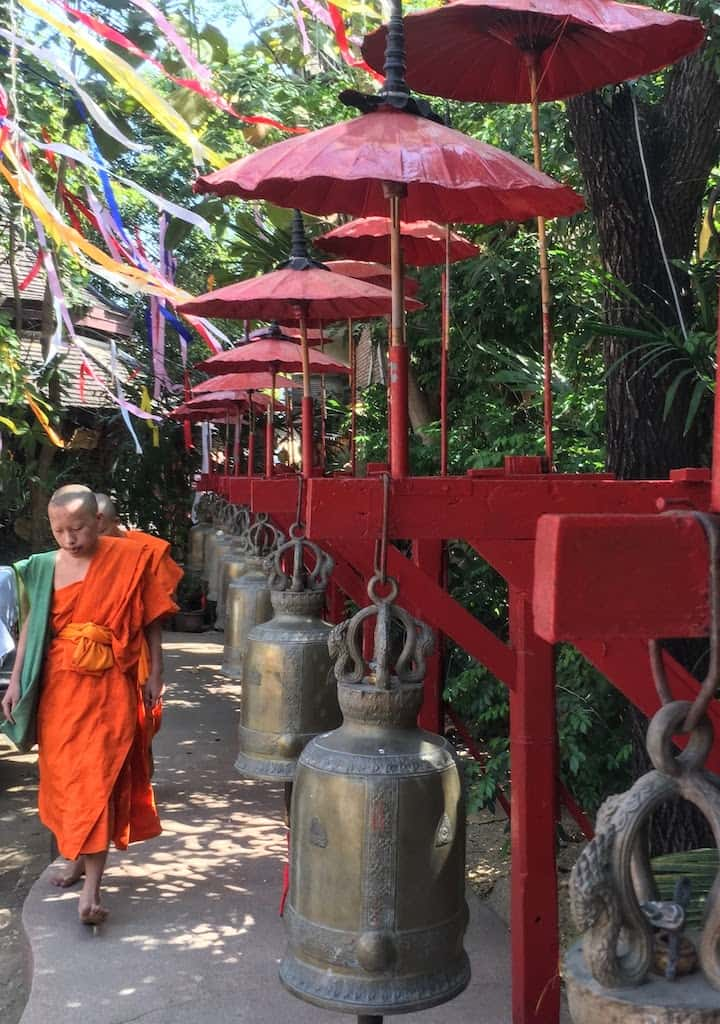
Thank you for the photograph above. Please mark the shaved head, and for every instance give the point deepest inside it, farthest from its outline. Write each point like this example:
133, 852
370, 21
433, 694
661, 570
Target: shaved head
106, 506
74, 495
74, 520
108, 517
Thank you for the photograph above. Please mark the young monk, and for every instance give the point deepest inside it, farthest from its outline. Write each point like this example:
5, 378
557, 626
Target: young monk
167, 570
91, 604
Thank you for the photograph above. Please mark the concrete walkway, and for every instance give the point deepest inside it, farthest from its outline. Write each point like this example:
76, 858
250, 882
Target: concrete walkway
194, 934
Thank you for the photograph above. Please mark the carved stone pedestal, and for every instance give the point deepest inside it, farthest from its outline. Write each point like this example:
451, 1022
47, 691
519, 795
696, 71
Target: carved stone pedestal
688, 1000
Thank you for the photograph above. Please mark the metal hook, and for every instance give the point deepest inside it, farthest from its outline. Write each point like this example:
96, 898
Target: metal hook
297, 529
380, 559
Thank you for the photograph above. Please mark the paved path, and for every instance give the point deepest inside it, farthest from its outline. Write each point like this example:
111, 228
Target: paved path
194, 934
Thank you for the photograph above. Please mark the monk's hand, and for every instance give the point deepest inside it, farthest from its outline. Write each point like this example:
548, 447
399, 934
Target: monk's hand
153, 691
12, 696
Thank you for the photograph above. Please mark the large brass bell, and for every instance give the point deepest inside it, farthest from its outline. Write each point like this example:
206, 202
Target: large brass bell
232, 563
376, 911
198, 535
232, 566
217, 534
288, 694
248, 598
224, 540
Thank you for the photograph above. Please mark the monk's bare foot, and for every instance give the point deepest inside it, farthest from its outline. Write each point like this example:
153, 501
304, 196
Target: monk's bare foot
72, 875
90, 909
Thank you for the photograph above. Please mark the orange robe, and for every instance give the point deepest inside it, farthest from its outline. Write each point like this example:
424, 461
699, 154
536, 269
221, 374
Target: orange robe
164, 566
92, 730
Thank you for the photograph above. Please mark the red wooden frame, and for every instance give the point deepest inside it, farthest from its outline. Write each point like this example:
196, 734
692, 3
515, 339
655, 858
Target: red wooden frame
564, 574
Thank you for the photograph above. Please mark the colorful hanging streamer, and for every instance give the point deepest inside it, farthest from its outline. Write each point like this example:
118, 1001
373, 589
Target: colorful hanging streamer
126, 76
338, 26
42, 418
204, 90
51, 59
146, 404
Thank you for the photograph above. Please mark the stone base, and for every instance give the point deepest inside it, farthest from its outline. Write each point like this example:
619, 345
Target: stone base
689, 1000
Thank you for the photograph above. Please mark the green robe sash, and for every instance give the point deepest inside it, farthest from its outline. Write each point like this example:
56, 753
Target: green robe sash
35, 588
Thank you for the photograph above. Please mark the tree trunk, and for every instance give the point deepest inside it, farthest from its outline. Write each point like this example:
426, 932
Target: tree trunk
682, 145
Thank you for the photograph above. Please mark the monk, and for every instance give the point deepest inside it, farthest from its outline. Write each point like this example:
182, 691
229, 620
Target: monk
167, 570
92, 603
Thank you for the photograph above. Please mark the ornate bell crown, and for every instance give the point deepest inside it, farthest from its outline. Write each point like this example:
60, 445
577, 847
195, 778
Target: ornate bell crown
295, 577
386, 671
262, 537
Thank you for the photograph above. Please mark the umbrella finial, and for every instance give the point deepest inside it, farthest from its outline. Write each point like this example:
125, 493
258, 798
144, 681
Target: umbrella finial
395, 92
300, 259
395, 88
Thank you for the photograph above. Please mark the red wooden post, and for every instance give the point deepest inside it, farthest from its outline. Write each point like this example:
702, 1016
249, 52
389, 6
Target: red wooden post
428, 556
335, 603
534, 911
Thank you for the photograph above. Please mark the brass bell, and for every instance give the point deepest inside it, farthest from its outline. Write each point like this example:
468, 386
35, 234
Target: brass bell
233, 565
288, 694
376, 911
198, 535
248, 598
234, 522
218, 533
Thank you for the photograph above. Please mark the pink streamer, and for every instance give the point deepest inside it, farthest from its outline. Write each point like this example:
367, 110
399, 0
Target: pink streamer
171, 33
300, 22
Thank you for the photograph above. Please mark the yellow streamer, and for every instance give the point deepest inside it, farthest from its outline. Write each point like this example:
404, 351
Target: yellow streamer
146, 406
124, 74
353, 7
705, 237
44, 421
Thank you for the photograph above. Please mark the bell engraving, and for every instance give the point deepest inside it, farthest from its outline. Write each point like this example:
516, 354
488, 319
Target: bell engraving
318, 835
360, 940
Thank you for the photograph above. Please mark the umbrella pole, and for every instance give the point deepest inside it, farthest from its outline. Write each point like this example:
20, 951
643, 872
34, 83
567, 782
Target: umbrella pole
288, 424
226, 456
251, 436
323, 415
398, 354
545, 293
307, 402
353, 398
236, 444
444, 346
270, 431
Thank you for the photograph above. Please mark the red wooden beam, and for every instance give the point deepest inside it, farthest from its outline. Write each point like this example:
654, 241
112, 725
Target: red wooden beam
426, 599
239, 489
428, 556
626, 664
606, 576
488, 508
533, 883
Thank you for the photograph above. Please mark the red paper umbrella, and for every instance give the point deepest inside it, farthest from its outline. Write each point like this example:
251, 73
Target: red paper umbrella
480, 49
275, 356
274, 332
247, 381
423, 241
309, 294
231, 400
343, 167
302, 290
531, 50
316, 336
395, 158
